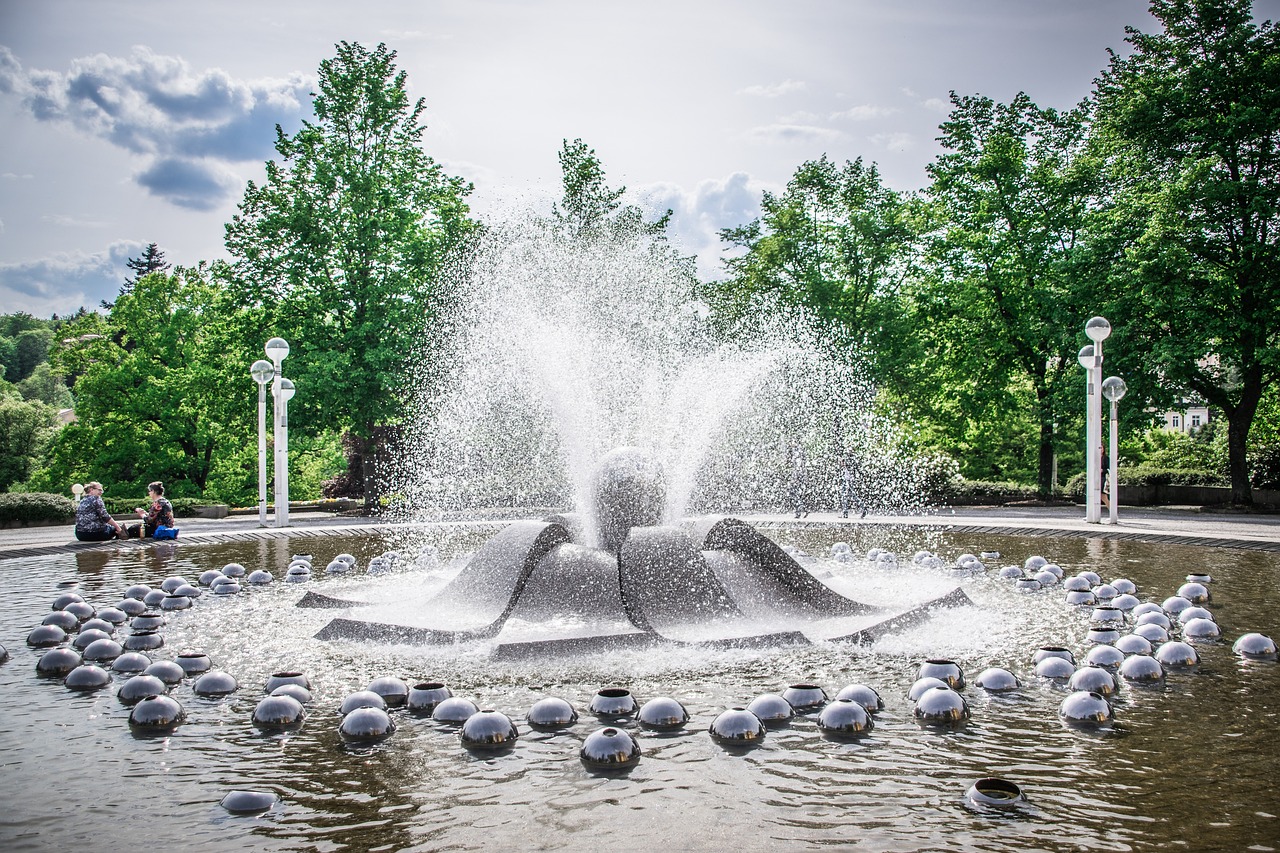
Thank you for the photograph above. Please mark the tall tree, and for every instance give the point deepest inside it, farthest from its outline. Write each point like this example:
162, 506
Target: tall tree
25, 427
345, 243
1190, 124
152, 260
157, 395
591, 207
836, 242
1011, 194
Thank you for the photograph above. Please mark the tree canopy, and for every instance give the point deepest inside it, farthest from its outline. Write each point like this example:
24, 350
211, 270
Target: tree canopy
1190, 125
343, 248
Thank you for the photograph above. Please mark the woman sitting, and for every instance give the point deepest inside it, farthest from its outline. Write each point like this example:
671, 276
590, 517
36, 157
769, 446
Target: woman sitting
160, 512
93, 522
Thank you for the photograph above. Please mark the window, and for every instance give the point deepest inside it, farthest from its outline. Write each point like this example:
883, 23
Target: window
1177, 422
1195, 420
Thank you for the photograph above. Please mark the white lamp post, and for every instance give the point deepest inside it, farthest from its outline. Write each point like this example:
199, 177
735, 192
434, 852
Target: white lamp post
283, 389
277, 349
262, 373
1114, 389
1098, 330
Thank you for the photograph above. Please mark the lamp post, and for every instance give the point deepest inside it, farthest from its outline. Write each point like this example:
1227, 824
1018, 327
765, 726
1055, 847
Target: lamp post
1098, 329
262, 373
284, 393
1114, 389
281, 392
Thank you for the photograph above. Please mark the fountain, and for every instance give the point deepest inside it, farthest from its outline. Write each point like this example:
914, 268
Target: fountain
708, 580
589, 374
629, 601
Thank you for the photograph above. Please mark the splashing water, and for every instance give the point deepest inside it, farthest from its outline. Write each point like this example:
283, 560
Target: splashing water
572, 346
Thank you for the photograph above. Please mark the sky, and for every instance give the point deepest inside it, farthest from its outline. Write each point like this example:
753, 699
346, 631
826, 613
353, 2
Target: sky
127, 122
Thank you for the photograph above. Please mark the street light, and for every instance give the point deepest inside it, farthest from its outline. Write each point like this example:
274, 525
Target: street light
283, 390
262, 373
1114, 389
1098, 330
277, 349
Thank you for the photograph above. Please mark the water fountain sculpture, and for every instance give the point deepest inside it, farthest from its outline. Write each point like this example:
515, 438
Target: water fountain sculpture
706, 580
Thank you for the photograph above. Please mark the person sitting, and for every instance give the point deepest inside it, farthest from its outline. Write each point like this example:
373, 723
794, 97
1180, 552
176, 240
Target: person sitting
93, 522
160, 512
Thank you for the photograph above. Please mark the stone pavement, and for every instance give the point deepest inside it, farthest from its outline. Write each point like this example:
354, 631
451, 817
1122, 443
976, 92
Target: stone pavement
1165, 525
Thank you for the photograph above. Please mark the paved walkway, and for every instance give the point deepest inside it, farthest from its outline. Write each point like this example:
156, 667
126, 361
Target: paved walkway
1169, 525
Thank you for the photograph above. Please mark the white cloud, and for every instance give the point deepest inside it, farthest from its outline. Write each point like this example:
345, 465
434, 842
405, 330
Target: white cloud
937, 105
774, 90
863, 112
63, 220
185, 124
698, 215
11, 176
893, 141
800, 117
782, 132
66, 281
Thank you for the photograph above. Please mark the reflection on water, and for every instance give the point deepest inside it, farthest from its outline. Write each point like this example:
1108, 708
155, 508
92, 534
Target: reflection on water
1190, 762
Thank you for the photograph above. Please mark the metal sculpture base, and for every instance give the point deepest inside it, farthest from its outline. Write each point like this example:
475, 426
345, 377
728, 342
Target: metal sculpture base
712, 581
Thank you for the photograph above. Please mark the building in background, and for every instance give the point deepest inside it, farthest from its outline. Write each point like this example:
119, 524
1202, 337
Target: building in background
1190, 417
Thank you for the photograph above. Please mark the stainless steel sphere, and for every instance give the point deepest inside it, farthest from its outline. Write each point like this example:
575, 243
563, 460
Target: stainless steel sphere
864, 695
489, 729
941, 706
844, 718
367, 724
772, 709
997, 680
1142, 669
1255, 646
1085, 708
663, 713
609, 750
737, 727
805, 697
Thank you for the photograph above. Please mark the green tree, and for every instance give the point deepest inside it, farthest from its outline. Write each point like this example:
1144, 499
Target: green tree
30, 349
46, 386
589, 206
159, 394
152, 260
835, 242
11, 325
1190, 124
344, 247
25, 428
1000, 298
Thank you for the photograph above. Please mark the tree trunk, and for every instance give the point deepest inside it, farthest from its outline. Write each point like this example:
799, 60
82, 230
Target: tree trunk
1044, 476
365, 461
1239, 422
1045, 479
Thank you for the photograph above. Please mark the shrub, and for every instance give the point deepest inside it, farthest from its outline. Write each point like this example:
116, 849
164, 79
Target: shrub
969, 492
36, 506
1153, 477
182, 507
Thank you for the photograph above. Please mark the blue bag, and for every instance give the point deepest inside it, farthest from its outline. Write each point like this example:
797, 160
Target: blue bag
163, 532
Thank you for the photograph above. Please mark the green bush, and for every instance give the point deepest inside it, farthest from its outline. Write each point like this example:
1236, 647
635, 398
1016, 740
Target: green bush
182, 507
1154, 477
967, 492
36, 506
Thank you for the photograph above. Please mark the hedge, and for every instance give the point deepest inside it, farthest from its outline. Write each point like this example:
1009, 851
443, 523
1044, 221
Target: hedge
965, 492
1154, 477
36, 506
182, 507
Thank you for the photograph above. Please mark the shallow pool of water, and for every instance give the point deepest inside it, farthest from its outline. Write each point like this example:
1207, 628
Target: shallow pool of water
1190, 763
